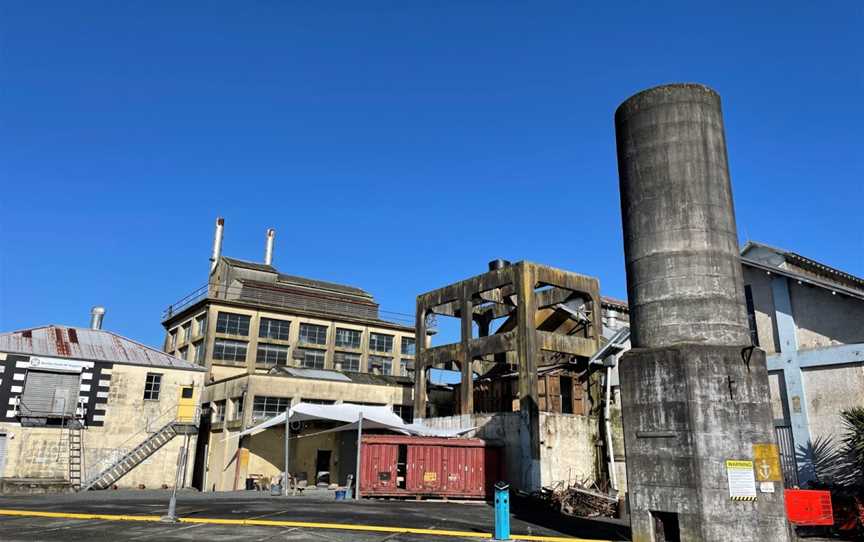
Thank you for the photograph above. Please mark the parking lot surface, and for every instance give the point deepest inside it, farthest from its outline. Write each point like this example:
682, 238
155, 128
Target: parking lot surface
314, 516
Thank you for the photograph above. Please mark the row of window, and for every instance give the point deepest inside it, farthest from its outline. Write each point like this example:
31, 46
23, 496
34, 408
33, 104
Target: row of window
311, 358
271, 328
187, 333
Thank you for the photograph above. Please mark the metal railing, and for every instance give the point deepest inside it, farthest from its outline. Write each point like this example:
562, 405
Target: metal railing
116, 453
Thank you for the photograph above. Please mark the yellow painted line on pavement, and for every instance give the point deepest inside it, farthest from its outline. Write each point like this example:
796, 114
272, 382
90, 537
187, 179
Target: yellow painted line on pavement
286, 523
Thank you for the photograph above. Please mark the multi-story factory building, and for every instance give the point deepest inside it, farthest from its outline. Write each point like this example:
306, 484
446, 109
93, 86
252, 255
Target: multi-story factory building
269, 340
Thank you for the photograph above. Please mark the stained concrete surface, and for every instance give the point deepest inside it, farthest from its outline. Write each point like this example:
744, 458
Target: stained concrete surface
314, 506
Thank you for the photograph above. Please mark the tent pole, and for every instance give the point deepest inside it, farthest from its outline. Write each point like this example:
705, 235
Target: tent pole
359, 442
287, 453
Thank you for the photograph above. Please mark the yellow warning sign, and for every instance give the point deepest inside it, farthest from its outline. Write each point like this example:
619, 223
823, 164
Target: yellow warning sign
430, 476
766, 459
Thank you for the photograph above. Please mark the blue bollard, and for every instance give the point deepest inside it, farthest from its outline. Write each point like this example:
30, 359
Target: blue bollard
502, 511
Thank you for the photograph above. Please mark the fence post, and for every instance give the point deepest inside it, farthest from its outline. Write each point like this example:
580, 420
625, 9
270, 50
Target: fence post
502, 511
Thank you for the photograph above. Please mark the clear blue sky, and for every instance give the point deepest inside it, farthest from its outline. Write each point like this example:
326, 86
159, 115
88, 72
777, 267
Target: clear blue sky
396, 146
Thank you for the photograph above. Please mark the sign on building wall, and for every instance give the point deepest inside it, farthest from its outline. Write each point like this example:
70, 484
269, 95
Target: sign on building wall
55, 364
742, 481
767, 460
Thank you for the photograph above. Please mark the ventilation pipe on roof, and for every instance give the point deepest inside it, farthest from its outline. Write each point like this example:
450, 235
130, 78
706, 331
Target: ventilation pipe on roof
268, 247
96, 316
217, 243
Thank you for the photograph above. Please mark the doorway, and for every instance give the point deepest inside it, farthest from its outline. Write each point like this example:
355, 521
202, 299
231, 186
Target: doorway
322, 467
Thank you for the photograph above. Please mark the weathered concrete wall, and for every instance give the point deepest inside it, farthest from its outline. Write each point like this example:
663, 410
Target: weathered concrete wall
829, 391
824, 319
567, 442
678, 440
821, 319
44, 452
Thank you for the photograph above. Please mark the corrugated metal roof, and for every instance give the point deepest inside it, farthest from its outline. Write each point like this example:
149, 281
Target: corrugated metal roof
88, 344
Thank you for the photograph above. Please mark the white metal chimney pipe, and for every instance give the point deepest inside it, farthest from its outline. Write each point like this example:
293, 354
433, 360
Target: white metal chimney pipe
96, 316
217, 243
268, 247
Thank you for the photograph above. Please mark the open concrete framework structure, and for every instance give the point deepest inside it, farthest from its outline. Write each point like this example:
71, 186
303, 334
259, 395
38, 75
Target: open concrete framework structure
522, 313
694, 391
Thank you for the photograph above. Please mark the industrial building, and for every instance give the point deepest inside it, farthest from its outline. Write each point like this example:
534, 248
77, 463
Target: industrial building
808, 317
87, 408
536, 353
268, 341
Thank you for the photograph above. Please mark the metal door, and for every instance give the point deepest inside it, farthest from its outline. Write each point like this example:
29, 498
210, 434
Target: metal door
186, 404
424, 468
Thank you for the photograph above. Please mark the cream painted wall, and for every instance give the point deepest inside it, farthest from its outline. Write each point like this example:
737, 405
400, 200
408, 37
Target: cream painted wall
129, 420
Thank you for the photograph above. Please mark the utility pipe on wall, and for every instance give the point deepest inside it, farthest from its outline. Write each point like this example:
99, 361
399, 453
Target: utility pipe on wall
613, 478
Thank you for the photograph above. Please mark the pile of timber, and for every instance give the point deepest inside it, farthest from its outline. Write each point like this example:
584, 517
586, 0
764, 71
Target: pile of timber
580, 500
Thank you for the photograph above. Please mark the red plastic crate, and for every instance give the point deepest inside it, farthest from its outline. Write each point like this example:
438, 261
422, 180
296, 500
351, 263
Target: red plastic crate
809, 507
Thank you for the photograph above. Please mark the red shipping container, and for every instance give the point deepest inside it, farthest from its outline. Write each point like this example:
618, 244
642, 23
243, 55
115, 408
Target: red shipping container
403, 466
809, 507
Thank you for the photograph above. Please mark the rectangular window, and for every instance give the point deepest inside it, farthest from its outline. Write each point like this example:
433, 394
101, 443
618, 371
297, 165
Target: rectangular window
408, 346
347, 338
313, 334
751, 315
406, 367
200, 349
232, 324
347, 361
184, 353
318, 401
379, 342
270, 328
228, 350
152, 386
406, 412
187, 331
201, 323
267, 407
219, 411
380, 364
172, 340
237, 408
311, 358
272, 354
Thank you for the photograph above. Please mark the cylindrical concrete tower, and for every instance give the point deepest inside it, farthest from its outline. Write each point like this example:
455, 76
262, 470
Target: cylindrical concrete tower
684, 278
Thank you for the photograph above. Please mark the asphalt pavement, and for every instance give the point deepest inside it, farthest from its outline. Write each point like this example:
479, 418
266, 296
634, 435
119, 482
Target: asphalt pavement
316, 516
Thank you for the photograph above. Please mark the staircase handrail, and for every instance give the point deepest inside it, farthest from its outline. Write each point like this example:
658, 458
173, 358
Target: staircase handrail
118, 454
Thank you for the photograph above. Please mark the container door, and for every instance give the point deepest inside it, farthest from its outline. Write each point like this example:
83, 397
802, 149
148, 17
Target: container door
379, 472
426, 469
451, 469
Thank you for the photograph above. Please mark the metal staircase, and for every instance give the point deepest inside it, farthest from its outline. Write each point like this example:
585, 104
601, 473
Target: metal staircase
150, 446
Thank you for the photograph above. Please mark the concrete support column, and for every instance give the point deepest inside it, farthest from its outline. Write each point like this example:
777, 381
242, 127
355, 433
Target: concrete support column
252, 350
421, 345
529, 408
466, 389
330, 356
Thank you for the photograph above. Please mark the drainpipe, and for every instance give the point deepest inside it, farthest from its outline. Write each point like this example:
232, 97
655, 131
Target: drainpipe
613, 478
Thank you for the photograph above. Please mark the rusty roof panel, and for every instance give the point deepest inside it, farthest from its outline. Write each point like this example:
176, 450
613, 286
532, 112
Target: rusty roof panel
91, 345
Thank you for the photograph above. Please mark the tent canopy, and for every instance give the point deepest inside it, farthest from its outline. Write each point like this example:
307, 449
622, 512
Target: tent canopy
374, 417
